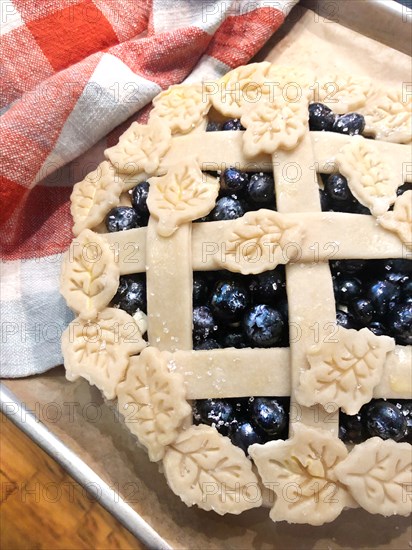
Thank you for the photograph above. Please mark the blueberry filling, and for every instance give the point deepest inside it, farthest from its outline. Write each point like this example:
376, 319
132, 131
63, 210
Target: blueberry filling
213, 126
351, 124
139, 202
263, 326
337, 197
227, 208
131, 294
240, 310
322, 118
233, 125
376, 294
241, 192
403, 188
261, 189
122, 218
387, 419
245, 420
233, 181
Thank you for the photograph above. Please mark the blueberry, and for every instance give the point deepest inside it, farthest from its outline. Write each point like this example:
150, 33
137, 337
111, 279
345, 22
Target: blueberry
346, 289
385, 420
344, 319
263, 326
121, 290
204, 324
214, 412
399, 265
240, 407
121, 218
348, 267
325, 203
200, 289
350, 124
233, 124
261, 188
233, 181
396, 277
139, 198
399, 321
227, 208
253, 288
377, 328
321, 117
213, 126
403, 188
351, 429
202, 219
229, 301
131, 294
271, 286
282, 307
359, 208
234, 339
207, 344
270, 416
337, 189
244, 434
381, 293
406, 292
362, 311
406, 408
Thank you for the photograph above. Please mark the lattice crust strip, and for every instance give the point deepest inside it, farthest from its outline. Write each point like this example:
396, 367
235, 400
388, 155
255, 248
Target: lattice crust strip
322, 237
157, 379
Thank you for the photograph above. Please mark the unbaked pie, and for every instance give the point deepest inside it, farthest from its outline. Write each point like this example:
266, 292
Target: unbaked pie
242, 278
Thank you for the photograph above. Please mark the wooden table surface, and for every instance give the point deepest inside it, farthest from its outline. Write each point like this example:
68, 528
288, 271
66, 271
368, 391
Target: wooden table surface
42, 507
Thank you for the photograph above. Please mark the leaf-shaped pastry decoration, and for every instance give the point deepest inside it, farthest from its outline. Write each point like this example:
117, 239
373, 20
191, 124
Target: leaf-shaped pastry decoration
301, 471
279, 124
370, 178
292, 81
99, 350
89, 275
390, 117
204, 468
152, 400
400, 219
379, 476
239, 89
259, 241
346, 371
140, 148
94, 196
343, 93
182, 195
182, 107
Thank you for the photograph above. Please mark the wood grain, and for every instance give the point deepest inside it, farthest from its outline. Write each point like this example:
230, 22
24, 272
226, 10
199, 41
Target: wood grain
42, 507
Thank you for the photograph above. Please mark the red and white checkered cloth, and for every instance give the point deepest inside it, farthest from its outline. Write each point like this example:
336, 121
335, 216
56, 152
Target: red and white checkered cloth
72, 71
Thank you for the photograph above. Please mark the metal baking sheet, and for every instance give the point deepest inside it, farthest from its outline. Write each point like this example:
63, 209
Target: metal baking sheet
73, 424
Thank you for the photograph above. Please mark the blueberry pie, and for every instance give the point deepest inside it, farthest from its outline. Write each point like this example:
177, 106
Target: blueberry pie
241, 271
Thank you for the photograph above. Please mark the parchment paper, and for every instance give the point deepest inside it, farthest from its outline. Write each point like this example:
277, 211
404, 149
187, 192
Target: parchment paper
328, 47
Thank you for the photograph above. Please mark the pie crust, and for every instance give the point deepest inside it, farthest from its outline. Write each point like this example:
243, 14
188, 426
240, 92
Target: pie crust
313, 475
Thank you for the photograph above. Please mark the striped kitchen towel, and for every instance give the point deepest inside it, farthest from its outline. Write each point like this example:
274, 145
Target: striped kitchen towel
72, 72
